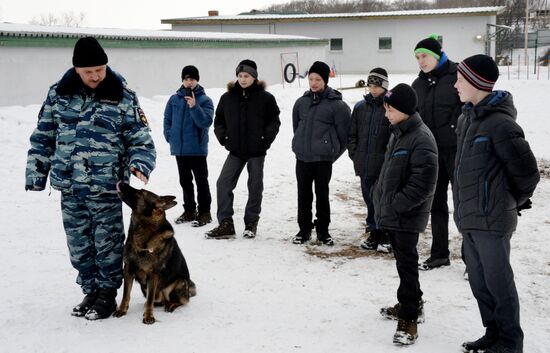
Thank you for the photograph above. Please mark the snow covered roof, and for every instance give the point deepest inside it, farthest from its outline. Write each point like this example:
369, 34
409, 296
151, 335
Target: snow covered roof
26, 30
334, 16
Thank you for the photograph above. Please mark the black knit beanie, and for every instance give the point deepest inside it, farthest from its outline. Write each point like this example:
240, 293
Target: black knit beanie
403, 98
480, 71
190, 71
429, 46
88, 53
378, 77
247, 66
321, 69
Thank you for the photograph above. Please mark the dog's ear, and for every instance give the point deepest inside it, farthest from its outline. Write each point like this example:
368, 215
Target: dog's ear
166, 202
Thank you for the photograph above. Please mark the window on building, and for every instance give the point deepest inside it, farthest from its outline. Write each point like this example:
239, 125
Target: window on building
384, 43
336, 44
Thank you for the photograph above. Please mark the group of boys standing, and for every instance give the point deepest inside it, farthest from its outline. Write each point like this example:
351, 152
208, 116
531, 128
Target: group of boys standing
406, 144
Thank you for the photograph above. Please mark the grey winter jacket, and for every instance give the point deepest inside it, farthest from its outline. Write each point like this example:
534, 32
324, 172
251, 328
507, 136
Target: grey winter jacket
368, 136
495, 169
321, 123
403, 193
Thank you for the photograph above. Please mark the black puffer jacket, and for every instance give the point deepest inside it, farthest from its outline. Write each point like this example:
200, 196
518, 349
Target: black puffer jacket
403, 193
438, 103
321, 123
495, 170
247, 120
368, 136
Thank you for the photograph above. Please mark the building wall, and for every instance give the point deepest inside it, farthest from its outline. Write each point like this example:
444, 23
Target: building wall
27, 72
360, 38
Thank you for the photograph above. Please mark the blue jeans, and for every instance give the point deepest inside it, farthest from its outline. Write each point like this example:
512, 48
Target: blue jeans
366, 185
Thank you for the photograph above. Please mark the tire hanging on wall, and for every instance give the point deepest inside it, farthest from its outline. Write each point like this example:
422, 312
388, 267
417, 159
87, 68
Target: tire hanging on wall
292, 73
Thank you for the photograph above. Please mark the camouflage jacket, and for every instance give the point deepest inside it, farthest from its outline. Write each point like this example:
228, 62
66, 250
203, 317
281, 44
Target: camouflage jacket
87, 140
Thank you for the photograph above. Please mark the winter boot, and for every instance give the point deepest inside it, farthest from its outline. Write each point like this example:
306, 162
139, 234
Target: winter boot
302, 237
406, 332
479, 345
250, 230
226, 230
500, 348
384, 242
392, 312
430, 263
82, 308
104, 306
187, 216
203, 218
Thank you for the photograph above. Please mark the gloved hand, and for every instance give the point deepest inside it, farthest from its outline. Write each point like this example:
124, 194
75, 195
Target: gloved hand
525, 206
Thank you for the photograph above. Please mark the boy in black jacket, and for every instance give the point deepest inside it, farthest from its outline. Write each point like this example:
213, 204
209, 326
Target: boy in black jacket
496, 174
367, 140
402, 198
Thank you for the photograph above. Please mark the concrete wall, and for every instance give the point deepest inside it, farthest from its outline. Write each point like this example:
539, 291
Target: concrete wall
360, 38
27, 72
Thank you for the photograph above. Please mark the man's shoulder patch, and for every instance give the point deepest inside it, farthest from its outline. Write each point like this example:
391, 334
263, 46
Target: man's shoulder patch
142, 117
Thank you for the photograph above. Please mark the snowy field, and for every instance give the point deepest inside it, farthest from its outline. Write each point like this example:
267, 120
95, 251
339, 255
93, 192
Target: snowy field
262, 295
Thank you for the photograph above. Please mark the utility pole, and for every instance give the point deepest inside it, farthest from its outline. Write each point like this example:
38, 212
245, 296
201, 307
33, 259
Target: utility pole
526, 38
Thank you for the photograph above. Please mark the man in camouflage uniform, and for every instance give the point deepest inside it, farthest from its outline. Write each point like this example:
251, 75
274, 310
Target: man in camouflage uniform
91, 133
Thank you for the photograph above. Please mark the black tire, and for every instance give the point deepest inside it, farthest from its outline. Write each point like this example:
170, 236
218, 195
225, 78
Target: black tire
292, 73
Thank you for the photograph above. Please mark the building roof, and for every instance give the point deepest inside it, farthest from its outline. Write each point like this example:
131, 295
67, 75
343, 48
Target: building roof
269, 18
12, 29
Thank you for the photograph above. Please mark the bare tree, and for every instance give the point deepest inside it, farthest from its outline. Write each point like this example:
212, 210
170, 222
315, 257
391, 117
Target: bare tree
67, 19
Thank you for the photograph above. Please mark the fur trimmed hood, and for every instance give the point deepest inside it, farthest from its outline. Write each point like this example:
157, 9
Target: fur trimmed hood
235, 87
111, 88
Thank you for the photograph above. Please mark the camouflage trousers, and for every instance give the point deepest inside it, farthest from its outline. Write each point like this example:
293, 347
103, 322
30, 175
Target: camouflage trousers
95, 237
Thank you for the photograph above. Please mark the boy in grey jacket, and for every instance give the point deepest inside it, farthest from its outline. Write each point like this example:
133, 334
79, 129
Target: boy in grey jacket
321, 121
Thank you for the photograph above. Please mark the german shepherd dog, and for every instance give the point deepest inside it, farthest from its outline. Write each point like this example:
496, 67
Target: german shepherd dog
152, 256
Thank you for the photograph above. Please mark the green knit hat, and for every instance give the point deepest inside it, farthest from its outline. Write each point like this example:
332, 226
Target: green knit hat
430, 46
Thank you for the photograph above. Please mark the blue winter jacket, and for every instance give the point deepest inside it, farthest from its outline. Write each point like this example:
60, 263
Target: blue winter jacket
186, 129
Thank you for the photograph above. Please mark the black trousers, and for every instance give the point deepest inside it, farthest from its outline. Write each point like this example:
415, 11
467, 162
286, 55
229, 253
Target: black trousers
440, 207
406, 259
308, 173
189, 166
487, 258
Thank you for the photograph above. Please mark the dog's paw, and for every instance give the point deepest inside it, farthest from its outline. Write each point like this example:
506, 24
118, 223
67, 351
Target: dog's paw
148, 319
119, 313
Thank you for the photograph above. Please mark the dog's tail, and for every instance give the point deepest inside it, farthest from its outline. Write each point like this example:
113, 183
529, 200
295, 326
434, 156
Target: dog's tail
192, 289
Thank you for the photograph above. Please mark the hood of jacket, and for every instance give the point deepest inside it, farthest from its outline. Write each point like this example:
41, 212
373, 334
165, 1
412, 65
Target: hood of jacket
328, 93
403, 127
111, 88
198, 90
496, 102
369, 98
235, 87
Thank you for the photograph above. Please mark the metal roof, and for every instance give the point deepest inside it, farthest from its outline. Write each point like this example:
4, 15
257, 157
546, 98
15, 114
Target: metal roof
488, 10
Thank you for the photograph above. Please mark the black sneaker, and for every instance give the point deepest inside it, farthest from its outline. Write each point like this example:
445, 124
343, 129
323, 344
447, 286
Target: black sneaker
384, 242
324, 237
187, 216
82, 308
104, 306
430, 263
302, 237
203, 218
370, 243
250, 230
392, 312
479, 345
226, 230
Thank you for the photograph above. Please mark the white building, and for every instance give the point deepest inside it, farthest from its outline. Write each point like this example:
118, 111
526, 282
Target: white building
361, 41
34, 57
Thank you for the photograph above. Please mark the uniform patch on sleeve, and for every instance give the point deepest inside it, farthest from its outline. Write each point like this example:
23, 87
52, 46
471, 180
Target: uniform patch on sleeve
142, 117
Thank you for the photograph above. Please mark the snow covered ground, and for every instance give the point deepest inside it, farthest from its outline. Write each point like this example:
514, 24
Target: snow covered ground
262, 295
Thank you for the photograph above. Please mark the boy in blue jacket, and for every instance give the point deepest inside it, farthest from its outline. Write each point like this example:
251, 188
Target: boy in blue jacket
187, 117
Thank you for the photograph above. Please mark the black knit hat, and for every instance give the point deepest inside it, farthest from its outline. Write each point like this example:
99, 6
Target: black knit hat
247, 66
88, 53
403, 98
429, 46
480, 71
190, 71
378, 77
321, 69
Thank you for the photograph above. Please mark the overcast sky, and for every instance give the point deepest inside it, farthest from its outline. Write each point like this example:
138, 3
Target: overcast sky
125, 13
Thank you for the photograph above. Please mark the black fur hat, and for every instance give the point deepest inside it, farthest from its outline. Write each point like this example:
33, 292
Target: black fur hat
88, 53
